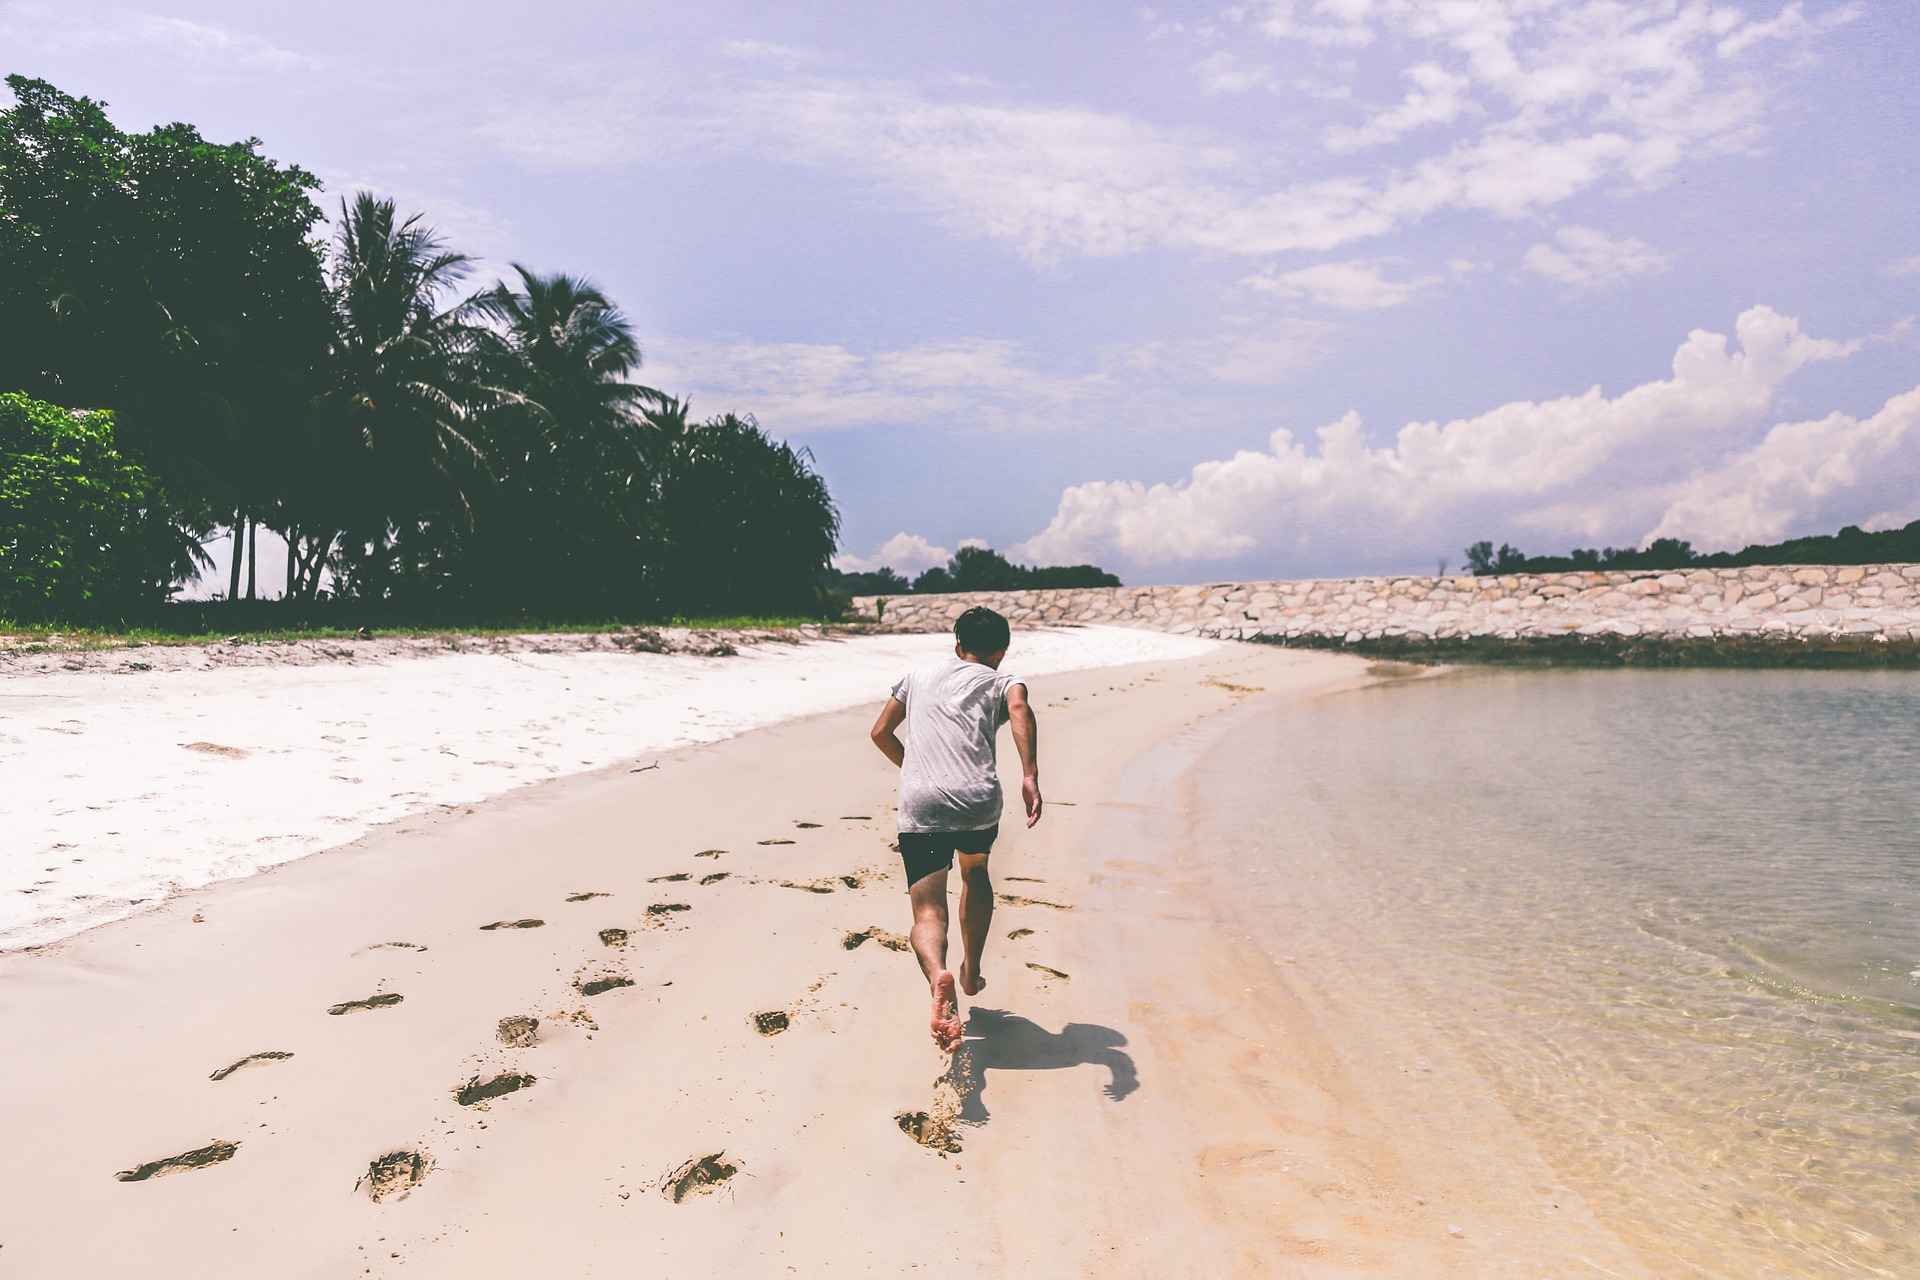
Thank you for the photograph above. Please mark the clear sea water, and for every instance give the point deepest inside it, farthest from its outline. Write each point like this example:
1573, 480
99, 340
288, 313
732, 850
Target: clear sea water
1671, 919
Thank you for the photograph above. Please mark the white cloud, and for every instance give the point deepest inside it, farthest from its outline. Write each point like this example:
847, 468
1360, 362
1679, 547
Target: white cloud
1818, 474
1224, 73
1904, 267
202, 44
1585, 466
1587, 259
905, 553
1790, 21
797, 388
800, 387
1349, 286
1563, 98
1437, 97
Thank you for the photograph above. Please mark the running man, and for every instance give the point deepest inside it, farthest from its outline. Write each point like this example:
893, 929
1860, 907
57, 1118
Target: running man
950, 795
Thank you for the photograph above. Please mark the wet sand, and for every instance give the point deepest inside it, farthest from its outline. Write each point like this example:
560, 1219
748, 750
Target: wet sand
726, 1045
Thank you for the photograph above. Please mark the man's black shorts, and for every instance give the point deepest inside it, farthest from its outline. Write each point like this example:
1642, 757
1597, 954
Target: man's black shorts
926, 852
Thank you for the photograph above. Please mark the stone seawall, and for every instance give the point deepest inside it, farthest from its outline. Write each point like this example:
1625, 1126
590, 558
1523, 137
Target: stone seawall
1853, 606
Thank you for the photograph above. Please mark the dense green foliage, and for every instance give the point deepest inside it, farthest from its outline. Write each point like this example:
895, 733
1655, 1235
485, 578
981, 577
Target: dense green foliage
424, 454
82, 528
747, 522
1851, 545
972, 569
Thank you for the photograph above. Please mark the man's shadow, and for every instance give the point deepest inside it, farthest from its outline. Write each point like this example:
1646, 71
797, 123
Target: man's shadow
1002, 1041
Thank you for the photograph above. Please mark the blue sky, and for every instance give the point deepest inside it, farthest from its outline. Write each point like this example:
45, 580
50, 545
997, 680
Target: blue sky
1286, 288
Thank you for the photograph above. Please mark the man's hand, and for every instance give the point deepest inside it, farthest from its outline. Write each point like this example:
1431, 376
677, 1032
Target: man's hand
1030, 795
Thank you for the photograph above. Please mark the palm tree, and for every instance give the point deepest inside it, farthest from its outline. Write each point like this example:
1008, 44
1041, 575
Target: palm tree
574, 448
409, 388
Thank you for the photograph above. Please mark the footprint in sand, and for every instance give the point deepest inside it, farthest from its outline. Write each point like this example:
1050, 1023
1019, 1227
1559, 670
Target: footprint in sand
518, 1031
928, 1131
1025, 879
394, 1174
856, 817
1015, 900
270, 1055
811, 886
1046, 972
390, 946
714, 878
514, 924
807, 826
598, 985
675, 877
701, 1176
1018, 934
386, 1001
709, 853
614, 937
585, 897
198, 1158
215, 749
661, 912
891, 941
776, 842
477, 1092
772, 1022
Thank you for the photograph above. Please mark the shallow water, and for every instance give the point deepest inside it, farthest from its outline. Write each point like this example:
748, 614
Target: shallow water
1668, 917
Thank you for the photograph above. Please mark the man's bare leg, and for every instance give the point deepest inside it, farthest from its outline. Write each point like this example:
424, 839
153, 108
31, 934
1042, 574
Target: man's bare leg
976, 919
929, 898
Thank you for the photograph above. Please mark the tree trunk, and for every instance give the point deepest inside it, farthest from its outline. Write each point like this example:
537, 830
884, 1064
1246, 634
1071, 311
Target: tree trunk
286, 592
253, 554
233, 572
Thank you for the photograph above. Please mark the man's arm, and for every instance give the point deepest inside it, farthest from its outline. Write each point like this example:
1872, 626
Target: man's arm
885, 735
1026, 740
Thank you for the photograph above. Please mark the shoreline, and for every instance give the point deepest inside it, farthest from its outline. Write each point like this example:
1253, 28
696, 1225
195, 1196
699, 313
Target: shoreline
761, 1029
1323, 1146
1806, 653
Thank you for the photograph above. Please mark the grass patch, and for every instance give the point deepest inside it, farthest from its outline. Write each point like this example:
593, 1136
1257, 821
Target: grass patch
55, 637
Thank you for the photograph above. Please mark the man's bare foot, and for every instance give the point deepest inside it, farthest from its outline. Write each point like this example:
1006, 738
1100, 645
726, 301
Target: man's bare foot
973, 983
947, 1032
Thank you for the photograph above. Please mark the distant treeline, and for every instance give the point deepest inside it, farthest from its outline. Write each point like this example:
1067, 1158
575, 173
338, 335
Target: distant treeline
186, 349
1851, 545
970, 569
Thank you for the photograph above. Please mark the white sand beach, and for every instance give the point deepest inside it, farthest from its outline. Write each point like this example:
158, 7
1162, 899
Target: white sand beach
653, 1023
127, 784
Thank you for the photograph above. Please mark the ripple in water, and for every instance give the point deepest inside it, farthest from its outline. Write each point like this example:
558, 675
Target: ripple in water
1669, 916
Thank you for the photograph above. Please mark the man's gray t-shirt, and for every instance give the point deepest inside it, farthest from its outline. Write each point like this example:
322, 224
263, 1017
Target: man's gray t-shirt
948, 781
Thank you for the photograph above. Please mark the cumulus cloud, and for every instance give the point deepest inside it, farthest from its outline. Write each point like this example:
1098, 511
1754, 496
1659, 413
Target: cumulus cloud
1582, 466
1349, 286
1832, 471
1587, 259
905, 553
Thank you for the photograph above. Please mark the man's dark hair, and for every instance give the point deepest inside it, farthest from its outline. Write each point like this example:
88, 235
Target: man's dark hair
982, 631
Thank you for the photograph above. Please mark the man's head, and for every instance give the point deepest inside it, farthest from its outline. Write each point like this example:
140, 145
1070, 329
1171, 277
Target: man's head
982, 636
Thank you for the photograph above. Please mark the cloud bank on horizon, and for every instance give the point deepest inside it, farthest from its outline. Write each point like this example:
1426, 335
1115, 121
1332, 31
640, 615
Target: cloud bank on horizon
1675, 458
1269, 288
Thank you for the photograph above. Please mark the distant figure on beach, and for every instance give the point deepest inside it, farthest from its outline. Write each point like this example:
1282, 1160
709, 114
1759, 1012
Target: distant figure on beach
950, 795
